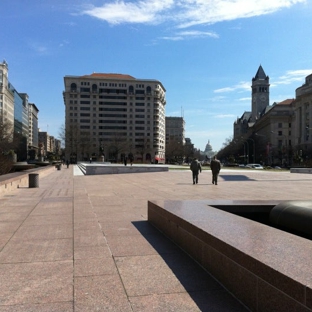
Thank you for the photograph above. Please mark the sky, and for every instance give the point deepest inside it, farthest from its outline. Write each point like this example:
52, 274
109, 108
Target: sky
204, 52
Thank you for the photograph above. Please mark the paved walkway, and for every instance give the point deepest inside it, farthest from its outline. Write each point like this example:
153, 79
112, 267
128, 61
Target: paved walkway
82, 243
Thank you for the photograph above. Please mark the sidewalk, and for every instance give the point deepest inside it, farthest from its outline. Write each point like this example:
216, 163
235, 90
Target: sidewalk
82, 243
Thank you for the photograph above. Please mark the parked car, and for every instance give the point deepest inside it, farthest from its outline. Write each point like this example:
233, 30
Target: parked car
254, 166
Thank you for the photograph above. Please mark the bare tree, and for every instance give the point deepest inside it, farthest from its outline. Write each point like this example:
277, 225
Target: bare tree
116, 146
174, 150
7, 146
143, 147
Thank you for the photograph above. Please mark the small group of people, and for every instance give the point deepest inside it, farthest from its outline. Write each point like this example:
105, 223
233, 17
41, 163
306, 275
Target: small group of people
196, 168
130, 157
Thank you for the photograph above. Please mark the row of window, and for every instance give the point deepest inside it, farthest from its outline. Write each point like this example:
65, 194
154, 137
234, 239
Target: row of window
137, 122
113, 108
112, 84
108, 110
94, 87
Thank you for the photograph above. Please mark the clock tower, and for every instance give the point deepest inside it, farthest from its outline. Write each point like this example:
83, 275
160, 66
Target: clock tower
260, 94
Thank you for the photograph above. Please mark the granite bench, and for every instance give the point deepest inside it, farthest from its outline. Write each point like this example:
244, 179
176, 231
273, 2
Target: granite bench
265, 268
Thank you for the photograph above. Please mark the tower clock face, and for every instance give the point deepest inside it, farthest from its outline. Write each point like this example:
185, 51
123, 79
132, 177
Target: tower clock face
262, 98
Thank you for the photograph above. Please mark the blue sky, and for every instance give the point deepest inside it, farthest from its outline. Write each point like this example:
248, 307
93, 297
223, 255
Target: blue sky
205, 52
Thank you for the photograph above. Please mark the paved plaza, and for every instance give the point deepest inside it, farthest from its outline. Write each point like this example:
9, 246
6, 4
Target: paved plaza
83, 243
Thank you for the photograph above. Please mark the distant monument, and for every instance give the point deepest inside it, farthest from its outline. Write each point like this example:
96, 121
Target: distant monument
208, 150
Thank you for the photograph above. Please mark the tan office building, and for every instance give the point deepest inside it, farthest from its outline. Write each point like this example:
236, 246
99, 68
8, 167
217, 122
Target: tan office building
110, 116
6, 95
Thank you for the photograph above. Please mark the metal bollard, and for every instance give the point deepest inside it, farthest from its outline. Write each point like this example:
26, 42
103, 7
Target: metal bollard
33, 180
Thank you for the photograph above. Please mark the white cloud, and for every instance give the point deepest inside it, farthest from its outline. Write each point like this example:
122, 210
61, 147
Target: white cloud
196, 33
293, 76
200, 12
245, 86
225, 116
118, 12
190, 35
39, 48
184, 13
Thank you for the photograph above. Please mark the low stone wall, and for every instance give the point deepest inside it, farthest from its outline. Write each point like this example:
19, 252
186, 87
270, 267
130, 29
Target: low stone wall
265, 268
98, 168
12, 181
300, 170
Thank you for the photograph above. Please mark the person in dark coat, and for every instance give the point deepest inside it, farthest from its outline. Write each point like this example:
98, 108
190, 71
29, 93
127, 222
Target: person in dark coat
196, 168
215, 167
130, 156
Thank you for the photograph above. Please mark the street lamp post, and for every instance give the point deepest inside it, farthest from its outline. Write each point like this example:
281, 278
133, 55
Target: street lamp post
254, 149
268, 148
282, 147
246, 156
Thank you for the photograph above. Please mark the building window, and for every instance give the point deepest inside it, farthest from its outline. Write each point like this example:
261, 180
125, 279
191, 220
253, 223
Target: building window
73, 87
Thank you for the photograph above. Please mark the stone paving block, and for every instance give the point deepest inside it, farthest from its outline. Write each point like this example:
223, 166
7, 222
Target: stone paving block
35, 307
94, 266
86, 252
132, 245
216, 300
42, 211
139, 278
13, 216
105, 217
4, 238
49, 219
86, 225
43, 232
9, 226
100, 293
175, 302
37, 250
39, 282
88, 238
128, 228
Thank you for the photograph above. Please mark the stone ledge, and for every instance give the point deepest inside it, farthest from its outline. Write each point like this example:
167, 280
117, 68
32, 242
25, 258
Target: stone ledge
12, 181
108, 168
265, 268
300, 170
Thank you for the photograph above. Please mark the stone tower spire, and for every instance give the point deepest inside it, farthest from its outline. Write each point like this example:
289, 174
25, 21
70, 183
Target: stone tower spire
260, 94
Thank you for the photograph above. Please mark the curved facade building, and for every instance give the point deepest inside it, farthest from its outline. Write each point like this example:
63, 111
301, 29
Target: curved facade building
110, 116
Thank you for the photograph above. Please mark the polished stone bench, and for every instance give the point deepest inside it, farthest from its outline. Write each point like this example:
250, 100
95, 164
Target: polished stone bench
265, 268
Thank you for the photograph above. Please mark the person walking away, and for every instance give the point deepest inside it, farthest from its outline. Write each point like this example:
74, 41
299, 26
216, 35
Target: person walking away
130, 156
215, 167
125, 160
196, 168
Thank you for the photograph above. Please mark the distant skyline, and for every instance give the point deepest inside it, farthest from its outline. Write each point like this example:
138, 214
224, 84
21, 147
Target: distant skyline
205, 53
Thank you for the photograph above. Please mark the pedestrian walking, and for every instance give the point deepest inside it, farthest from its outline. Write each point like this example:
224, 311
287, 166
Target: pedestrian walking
196, 168
130, 156
125, 160
215, 167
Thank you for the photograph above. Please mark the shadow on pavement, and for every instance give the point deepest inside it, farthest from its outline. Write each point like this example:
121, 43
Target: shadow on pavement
204, 290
